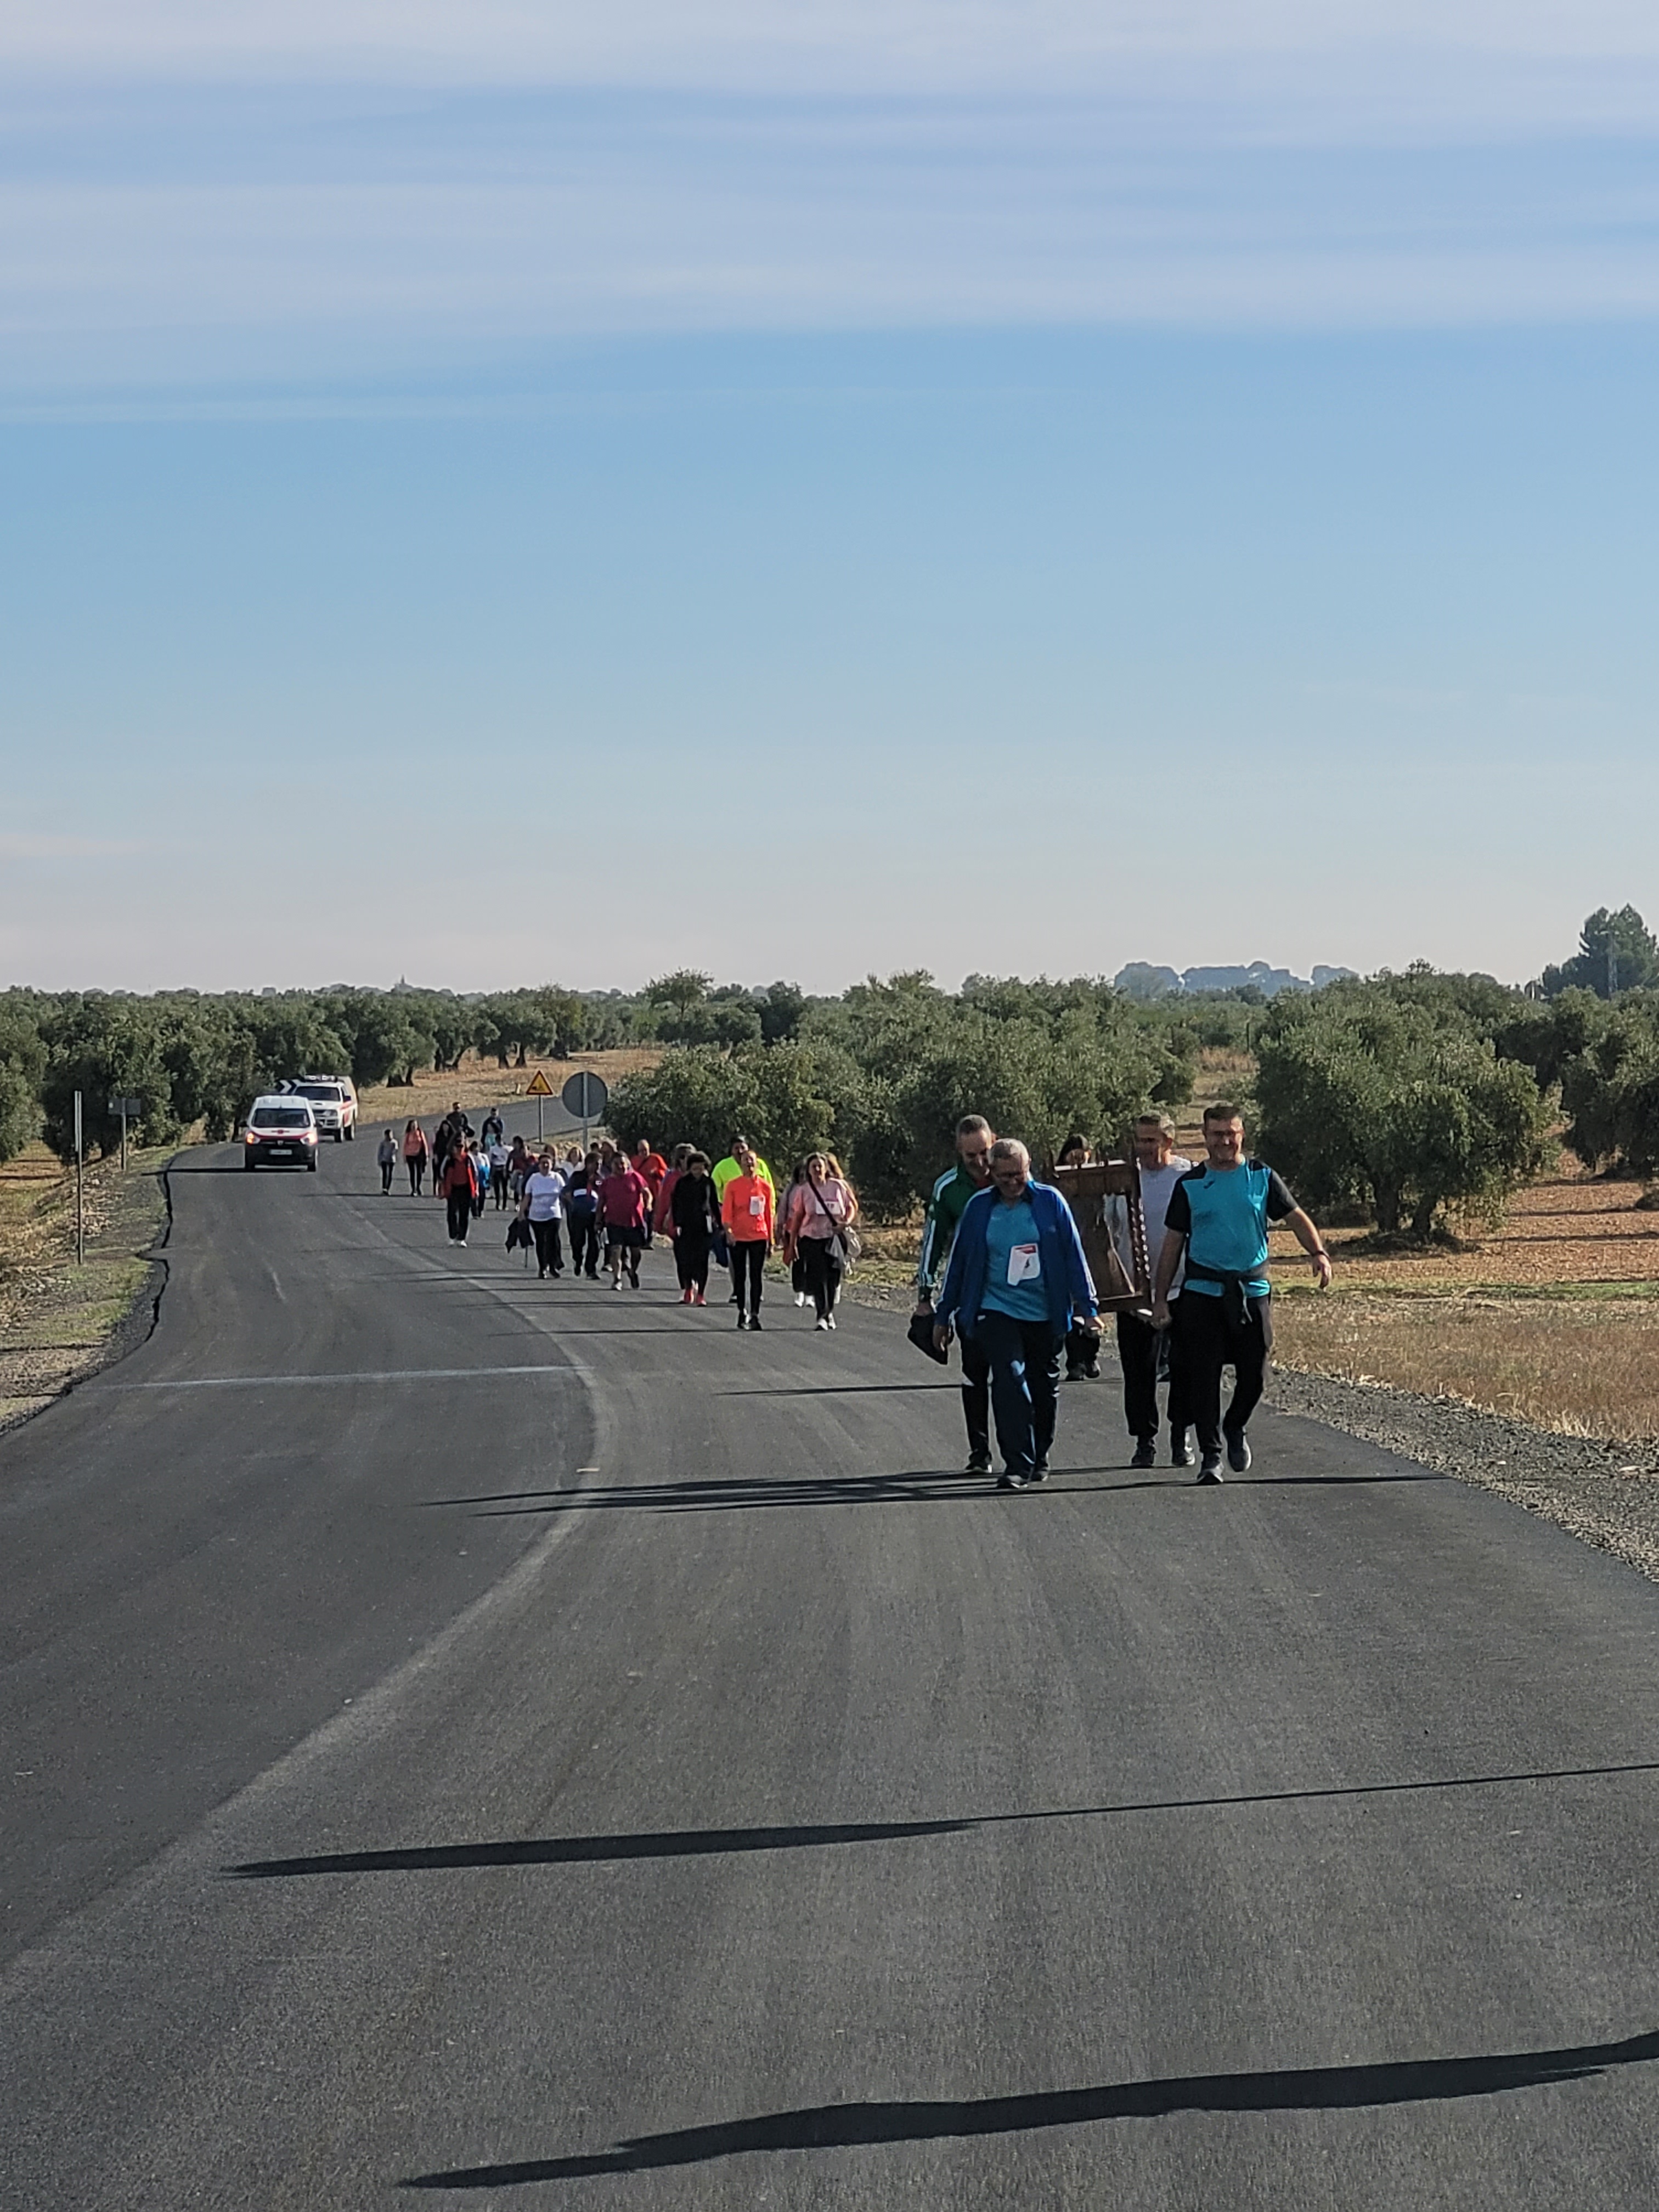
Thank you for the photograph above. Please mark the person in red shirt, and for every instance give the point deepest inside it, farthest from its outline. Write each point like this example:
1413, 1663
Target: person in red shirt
625, 1209
460, 1185
652, 1166
661, 1220
746, 1216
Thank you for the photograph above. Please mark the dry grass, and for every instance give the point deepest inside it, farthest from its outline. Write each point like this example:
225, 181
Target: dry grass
56, 1317
1551, 1317
480, 1082
1585, 1366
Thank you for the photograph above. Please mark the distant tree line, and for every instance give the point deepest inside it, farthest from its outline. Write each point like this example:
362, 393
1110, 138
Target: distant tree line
192, 1058
1405, 1099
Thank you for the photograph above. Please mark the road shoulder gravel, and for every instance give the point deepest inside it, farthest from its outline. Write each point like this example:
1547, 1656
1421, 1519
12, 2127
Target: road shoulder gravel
1605, 1494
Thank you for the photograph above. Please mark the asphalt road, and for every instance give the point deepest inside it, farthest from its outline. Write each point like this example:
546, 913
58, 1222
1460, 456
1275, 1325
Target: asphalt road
528, 1744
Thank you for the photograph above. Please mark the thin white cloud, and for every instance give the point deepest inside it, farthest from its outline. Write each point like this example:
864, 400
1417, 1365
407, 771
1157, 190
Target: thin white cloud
371, 191
30, 845
931, 45
462, 232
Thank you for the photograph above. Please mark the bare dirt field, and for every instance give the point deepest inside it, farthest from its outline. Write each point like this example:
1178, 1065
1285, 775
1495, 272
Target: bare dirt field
481, 1083
1553, 1317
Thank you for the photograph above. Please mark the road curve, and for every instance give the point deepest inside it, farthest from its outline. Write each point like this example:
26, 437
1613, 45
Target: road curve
515, 1744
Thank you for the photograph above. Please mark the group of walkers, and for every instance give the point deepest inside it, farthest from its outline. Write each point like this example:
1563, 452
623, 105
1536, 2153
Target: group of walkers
1018, 1291
1002, 1272
722, 1214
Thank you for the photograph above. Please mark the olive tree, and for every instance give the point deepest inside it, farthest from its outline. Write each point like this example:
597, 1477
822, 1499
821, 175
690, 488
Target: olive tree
1402, 1104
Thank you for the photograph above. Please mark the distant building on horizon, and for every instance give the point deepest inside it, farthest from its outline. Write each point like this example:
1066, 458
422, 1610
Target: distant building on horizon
1141, 979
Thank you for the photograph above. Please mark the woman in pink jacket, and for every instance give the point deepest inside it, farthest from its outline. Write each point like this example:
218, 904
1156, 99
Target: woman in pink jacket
821, 1207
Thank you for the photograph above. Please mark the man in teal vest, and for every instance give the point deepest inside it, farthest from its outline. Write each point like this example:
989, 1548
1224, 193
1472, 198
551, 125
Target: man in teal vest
1218, 1215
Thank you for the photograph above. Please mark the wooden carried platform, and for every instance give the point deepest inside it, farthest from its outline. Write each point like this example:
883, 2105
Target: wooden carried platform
1086, 1190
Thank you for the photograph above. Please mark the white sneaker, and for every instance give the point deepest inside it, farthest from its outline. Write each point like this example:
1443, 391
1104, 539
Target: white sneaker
830, 1321
823, 1325
616, 1282
801, 1298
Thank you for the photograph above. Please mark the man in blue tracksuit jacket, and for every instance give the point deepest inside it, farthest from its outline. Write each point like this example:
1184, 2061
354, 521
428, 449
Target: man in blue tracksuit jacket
1016, 1276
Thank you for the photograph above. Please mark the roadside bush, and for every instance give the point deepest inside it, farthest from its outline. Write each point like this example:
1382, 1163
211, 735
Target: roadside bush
790, 1099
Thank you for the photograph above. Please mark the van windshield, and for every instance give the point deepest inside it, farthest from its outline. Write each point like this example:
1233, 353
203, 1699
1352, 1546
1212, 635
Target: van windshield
330, 1092
283, 1117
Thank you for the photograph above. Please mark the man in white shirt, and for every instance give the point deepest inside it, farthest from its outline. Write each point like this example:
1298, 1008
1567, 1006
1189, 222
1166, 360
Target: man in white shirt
543, 1208
1145, 1353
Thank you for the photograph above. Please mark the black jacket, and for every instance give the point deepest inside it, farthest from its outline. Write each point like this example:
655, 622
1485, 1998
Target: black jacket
693, 1206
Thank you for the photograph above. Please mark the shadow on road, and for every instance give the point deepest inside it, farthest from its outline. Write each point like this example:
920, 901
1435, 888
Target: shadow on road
911, 1486
697, 1843
1303, 2089
827, 1389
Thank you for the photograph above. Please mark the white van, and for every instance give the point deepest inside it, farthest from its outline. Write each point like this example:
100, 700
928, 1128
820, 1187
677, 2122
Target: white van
280, 1127
333, 1100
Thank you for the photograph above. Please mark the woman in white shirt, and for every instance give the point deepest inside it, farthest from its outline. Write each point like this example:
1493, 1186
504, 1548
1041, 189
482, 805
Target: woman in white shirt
542, 1207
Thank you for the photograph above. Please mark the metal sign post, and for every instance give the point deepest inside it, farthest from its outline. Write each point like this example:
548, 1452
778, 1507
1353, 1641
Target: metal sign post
80, 1209
128, 1109
539, 1088
584, 1093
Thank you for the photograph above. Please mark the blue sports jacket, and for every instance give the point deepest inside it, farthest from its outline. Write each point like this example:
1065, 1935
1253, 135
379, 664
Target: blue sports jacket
1065, 1276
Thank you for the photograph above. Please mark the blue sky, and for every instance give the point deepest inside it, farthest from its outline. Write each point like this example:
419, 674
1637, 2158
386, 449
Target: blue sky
490, 494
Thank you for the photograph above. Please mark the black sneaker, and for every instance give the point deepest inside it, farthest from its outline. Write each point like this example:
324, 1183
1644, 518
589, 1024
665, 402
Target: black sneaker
1009, 1481
1039, 1473
742, 1321
979, 1463
1146, 1454
1238, 1453
753, 1321
1181, 1452
1092, 1373
1210, 1468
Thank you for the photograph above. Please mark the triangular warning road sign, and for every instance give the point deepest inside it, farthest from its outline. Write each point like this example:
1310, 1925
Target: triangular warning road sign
538, 1086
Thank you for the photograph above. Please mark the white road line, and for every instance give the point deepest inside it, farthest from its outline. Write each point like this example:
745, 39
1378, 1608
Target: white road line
387, 1375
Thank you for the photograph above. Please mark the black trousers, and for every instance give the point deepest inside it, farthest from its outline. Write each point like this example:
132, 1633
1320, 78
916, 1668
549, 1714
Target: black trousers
820, 1260
748, 1266
976, 1395
549, 1247
498, 1184
417, 1167
460, 1211
1149, 1356
691, 1260
386, 1167
1082, 1352
584, 1244
1024, 1357
1209, 1339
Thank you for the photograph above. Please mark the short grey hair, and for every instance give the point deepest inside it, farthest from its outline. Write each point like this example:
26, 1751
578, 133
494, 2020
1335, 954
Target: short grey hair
1160, 1121
1009, 1148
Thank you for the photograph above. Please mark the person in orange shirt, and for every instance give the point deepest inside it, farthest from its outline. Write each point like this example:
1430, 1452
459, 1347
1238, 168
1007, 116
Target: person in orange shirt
746, 1215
